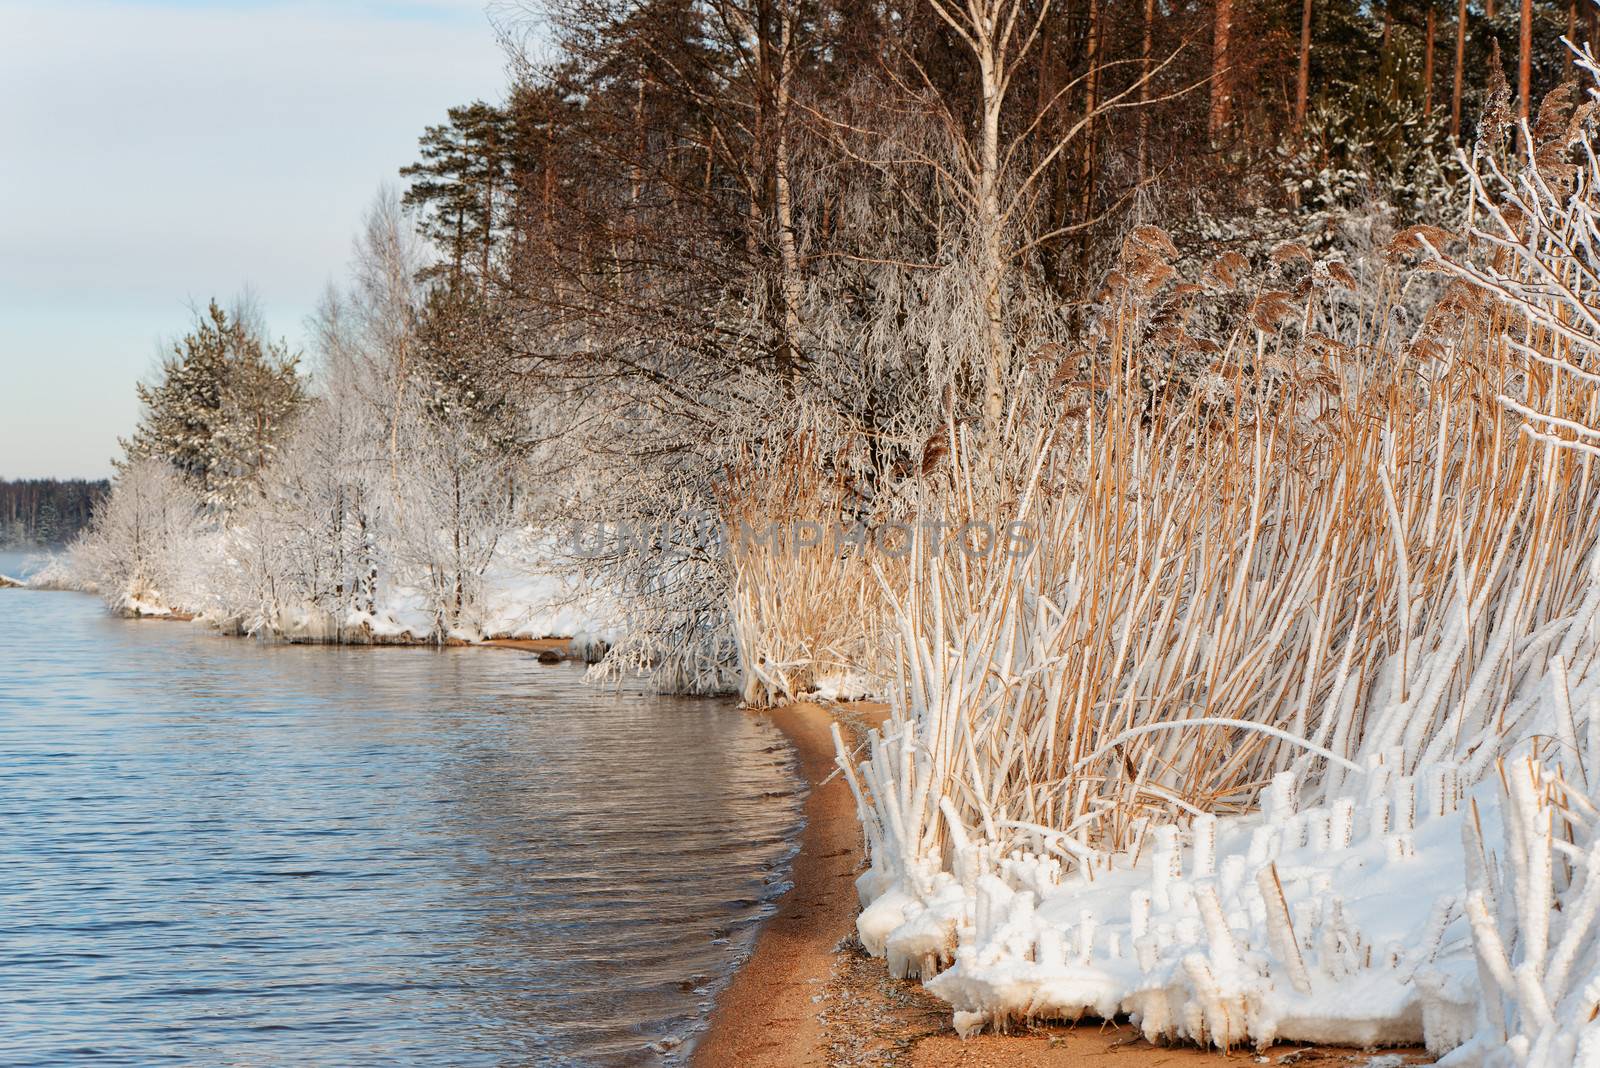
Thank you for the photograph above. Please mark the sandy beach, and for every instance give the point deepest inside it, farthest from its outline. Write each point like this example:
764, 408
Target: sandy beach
560, 648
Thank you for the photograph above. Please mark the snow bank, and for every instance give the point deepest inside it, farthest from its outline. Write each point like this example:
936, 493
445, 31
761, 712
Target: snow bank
526, 597
143, 606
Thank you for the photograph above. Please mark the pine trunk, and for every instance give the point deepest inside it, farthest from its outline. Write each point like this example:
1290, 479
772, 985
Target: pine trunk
1427, 69
1525, 61
1144, 88
1461, 52
1223, 27
1091, 104
1303, 83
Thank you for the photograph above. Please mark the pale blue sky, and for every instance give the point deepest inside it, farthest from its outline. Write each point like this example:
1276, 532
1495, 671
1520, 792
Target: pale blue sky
153, 154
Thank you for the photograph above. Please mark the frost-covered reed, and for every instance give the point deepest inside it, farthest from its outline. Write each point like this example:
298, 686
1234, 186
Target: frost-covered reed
1361, 568
806, 608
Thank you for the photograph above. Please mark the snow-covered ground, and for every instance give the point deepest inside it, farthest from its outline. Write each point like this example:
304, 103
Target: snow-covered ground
520, 594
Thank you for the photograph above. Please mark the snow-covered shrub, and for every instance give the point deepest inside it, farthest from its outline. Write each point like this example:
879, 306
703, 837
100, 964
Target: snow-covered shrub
61, 572
141, 548
311, 540
454, 505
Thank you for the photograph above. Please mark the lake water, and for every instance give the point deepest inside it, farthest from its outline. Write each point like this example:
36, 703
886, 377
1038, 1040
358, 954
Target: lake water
219, 851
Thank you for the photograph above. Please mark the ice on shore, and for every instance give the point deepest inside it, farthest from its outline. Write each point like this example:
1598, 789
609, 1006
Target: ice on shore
1337, 924
846, 686
1411, 911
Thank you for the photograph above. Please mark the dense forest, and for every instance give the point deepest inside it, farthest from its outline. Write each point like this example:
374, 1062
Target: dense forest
701, 244
46, 511
1264, 339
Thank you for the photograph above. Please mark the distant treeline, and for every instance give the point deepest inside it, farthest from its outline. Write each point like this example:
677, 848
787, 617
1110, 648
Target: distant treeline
46, 511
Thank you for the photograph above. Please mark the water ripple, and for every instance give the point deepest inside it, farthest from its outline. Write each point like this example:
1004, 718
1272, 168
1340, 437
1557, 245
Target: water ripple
222, 852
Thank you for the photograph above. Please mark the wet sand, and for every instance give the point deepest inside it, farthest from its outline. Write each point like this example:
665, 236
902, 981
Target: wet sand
560, 647
774, 1012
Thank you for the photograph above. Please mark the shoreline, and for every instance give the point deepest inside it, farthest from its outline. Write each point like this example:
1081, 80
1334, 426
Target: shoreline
808, 996
771, 1012
549, 649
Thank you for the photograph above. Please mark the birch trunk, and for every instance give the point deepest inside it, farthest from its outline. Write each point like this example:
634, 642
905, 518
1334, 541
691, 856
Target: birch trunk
788, 247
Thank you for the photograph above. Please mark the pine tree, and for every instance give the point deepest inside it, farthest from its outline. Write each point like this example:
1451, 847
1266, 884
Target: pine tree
260, 395
224, 398
463, 373
459, 186
183, 410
